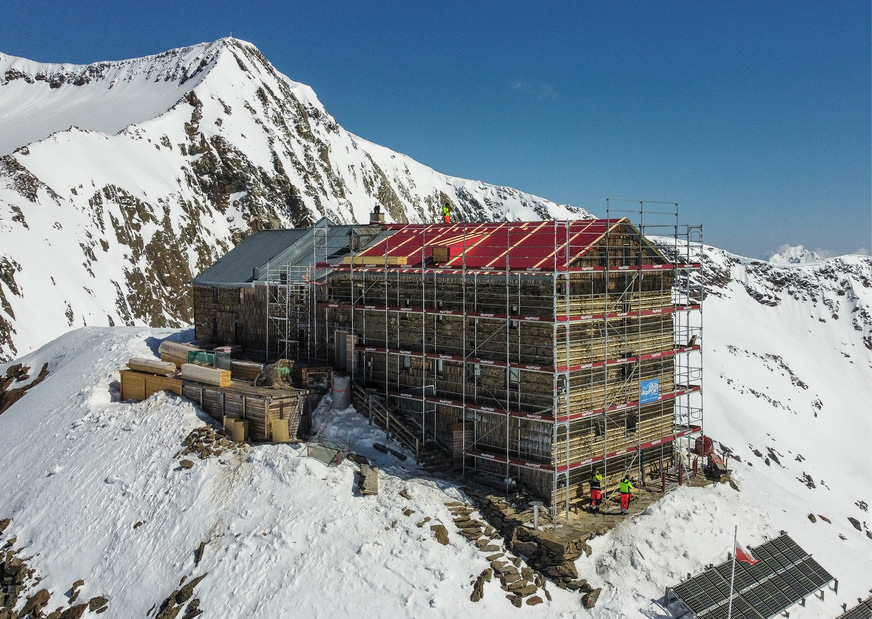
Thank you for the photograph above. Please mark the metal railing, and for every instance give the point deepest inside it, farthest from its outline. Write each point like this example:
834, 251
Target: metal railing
394, 426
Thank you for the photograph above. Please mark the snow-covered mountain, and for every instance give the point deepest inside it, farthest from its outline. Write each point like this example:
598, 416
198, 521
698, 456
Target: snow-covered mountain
95, 491
174, 158
119, 180
795, 255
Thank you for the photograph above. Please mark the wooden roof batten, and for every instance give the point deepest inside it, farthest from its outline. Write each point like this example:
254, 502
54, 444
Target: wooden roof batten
533, 247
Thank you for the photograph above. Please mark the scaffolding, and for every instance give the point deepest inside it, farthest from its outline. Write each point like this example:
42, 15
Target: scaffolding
291, 308
530, 351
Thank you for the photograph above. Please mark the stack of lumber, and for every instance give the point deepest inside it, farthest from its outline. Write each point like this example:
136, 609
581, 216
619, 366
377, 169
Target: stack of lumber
246, 370
209, 376
368, 480
152, 366
140, 386
175, 352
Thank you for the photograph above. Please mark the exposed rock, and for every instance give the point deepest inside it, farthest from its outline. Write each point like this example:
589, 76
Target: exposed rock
74, 590
525, 591
186, 592
170, 612
74, 612
441, 533
96, 603
36, 602
528, 549
588, 600
478, 587
198, 554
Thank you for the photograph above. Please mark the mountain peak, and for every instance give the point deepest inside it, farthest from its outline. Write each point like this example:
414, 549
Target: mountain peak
39, 99
795, 255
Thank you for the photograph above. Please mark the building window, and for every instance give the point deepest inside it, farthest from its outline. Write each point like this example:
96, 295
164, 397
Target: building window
631, 420
215, 295
406, 363
514, 376
598, 428
513, 324
242, 296
440, 368
473, 372
214, 327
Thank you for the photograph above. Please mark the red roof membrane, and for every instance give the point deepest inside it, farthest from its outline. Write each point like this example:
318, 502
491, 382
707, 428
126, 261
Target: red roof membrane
506, 245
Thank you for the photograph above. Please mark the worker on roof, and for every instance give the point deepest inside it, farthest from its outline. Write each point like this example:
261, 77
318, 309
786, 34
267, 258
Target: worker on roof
446, 213
626, 486
596, 493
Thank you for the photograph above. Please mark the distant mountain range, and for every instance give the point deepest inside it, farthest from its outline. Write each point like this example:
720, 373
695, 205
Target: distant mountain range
795, 255
119, 180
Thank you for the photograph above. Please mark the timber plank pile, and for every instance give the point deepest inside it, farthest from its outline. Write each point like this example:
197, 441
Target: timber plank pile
228, 396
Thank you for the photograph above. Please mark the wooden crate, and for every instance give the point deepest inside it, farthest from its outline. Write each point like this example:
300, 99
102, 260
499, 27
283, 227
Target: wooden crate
140, 386
260, 407
246, 370
312, 376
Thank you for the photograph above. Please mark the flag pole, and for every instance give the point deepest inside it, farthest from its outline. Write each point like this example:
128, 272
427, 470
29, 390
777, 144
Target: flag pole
733, 572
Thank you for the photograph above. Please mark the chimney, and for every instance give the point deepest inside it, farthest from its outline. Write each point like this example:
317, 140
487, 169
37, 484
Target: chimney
377, 217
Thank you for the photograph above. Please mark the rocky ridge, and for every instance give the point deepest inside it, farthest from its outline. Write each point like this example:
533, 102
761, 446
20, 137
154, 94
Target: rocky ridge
163, 164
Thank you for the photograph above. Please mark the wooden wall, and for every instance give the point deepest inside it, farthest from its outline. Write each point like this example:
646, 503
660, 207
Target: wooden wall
225, 316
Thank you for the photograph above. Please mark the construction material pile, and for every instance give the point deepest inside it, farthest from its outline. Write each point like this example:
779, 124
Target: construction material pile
276, 375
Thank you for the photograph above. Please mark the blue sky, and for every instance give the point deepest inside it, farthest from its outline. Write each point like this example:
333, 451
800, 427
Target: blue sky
753, 115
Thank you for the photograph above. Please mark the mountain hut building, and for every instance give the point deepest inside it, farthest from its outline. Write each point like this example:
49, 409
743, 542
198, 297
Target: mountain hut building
530, 351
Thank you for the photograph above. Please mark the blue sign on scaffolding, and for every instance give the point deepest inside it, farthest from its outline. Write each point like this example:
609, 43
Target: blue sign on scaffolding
649, 390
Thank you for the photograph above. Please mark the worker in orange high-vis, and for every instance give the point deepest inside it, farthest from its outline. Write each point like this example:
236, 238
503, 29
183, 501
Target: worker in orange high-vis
446, 213
626, 486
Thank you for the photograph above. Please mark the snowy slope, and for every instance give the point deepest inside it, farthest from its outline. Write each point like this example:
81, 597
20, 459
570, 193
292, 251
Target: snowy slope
787, 375
120, 180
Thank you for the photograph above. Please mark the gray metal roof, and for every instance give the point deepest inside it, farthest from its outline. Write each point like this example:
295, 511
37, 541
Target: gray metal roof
265, 253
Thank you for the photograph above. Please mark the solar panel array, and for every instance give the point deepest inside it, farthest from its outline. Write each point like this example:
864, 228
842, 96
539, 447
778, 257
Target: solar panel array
863, 610
783, 575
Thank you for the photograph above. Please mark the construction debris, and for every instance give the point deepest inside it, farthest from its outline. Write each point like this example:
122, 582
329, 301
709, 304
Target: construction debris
368, 484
